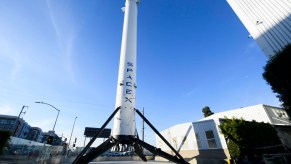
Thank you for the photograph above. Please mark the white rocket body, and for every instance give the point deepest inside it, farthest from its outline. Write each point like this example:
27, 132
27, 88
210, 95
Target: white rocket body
124, 121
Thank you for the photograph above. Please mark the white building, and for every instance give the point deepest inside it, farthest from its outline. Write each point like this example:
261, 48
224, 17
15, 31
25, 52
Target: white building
259, 113
202, 140
268, 22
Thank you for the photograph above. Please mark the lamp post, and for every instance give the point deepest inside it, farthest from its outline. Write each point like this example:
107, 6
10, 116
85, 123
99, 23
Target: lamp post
55, 109
71, 137
72, 131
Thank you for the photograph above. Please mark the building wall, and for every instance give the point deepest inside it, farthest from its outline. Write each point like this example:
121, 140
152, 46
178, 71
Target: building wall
268, 21
277, 115
209, 126
7, 124
284, 133
259, 113
23, 129
203, 139
256, 112
18, 127
192, 140
179, 136
35, 134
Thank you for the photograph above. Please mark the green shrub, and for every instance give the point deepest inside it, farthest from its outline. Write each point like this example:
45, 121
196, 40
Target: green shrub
4, 138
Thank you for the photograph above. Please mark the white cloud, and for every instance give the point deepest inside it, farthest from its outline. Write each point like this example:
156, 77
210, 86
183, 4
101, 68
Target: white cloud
53, 20
68, 56
65, 35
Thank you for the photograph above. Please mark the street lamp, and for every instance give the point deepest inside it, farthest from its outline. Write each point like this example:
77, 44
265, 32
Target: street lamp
55, 109
72, 131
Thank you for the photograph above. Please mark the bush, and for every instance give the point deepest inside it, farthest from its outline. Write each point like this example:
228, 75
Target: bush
246, 139
4, 138
278, 76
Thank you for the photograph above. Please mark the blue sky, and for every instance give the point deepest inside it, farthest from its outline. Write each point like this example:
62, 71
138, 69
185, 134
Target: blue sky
190, 54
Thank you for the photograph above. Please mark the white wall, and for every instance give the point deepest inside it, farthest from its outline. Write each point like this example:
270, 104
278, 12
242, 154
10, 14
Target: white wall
182, 136
202, 126
256, 112
278, 116
268, 21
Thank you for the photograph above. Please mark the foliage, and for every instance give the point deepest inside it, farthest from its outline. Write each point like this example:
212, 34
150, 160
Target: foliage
4, 137
245, 137
278, 76
207, 112
233, 149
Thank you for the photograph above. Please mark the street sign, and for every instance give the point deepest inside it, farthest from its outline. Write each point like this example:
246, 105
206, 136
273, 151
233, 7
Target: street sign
91, 132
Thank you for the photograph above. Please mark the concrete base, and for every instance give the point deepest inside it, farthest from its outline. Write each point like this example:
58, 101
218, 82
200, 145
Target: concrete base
63, 160
119, 158
209, 156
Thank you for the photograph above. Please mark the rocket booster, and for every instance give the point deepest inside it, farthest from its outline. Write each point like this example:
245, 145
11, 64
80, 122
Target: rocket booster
124, 125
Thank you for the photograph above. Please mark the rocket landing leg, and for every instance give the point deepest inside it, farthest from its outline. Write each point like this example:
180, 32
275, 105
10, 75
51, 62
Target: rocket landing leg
138, 145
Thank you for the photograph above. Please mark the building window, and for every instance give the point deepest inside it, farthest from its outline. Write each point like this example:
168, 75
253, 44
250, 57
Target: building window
4, 121
198, 140
210, 139
12, 122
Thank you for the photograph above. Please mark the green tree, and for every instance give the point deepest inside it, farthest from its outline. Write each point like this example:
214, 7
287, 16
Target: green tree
207, 112
244, 137
4, 137
278, 75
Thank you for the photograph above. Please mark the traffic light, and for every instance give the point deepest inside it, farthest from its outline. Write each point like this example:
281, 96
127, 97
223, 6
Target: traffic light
74, 144
50, 140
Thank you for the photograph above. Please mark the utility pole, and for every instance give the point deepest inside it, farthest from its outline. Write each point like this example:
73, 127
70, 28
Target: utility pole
17, 122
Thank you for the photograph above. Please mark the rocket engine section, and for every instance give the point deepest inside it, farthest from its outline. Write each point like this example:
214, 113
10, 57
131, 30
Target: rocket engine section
124, 126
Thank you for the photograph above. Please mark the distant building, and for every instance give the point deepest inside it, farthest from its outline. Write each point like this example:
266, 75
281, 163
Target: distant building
18, 127
35, 134
21, 129
202, 140
8, 123
52, 138
268, 22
